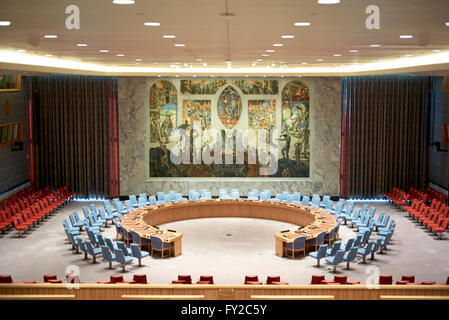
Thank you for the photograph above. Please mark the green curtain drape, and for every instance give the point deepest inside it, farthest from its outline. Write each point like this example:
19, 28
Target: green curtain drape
383, 134
75, 134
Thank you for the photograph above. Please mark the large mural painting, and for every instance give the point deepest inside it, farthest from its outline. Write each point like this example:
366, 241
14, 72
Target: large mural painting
188, 136
294, 159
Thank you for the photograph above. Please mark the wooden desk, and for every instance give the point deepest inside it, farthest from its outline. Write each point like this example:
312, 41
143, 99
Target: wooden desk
144, 220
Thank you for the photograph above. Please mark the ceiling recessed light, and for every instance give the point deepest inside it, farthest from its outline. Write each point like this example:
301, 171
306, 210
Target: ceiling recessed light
265, 55
282, 76
176, 76
152, 24
48, 55
409, 55
186, 64
328, 1
158, 75
211, 75
337, 55
253, 64
436, 50
104, 50
299, 76
21, 50
319, 60
270, 50
247, 76
287, 36
278, 45
123, 1
180, 45
5, 23
205, 64
303, 62
120, 55
353, 51
374, 45
79, 60
173, 66
139, 59
199, 59
302, 24
406, 36
259, 60
50, 36
273, 65
137, 62
168, 36
447, 24
81, 44
194, 76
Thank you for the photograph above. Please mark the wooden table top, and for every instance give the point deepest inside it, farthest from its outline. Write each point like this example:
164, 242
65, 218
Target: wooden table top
321, 220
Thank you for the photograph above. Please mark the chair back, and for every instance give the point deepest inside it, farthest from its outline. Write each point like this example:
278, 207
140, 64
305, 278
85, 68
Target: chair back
356, 213
335, 248
135, 236
322, 250
305, 200
339, 207
349, 244
160, 196
106, 253
119, 256
299, 243
100, 240
86, 212
381, 217
351, 255
369, 247
152, 200
93, 209
140, 278
364, 208
156, 242
89, 248
271, 279
135, 250
133, 199
109, 244
251, 279
338, 258
121, 245
372, 211
320, 238
358, 240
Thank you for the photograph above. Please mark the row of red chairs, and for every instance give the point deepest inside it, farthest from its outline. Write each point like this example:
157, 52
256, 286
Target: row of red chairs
27, 193
435, 194
26, 214
316, 279
434, 217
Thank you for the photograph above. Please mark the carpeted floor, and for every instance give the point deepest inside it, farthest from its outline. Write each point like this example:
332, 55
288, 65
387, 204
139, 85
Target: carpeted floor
228, 249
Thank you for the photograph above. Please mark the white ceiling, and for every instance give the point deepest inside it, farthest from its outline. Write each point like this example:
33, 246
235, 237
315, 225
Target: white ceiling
256, 26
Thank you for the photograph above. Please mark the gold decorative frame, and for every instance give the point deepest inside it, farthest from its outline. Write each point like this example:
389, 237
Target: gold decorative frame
11, 86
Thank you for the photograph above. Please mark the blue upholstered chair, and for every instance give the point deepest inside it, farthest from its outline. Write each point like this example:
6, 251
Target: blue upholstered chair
296, 196
138, 240
82, 247
350, 214
315, 203
133, 199
137, 253
94, 252
76, 224
100, 240
118, 230
336, 259
366, 250
122, 259
72, 230
158, 245
365, 237
114, 215
160, 196
126, 251
326, 200
298, 245
179, 197
329, 237
350, 256
104, 216
334, 249
384, 241
152, 200
317, 241
358, 240
127, 237
348, 245
349, 207
107, 204
379, 218
93, 209
111, 245
384, 223
93, 223
337, 210
319, 254
121, 209
129, 206
376, 247
86, 212
93, 238
235, 194
107, 255
305, 200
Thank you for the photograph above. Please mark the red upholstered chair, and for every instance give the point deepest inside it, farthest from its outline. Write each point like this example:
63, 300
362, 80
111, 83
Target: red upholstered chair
352, 282
402, 282
103, 282
271, 279
186, 278
6, 279
140, 278
385, 279
428, 282
28, 282
116, 279
47, 277
178, 282
408, 278
74, 279
209, 279
413, 283
54, 281
341, 279
251, 279
317, 279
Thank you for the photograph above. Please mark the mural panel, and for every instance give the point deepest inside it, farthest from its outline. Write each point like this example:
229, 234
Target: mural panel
201, 86
261, 114
257, 86
294, 159
196, 110
229, 107
163, 107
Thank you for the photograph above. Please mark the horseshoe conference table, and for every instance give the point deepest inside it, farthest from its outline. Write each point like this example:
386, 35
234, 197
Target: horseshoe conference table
312, 221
